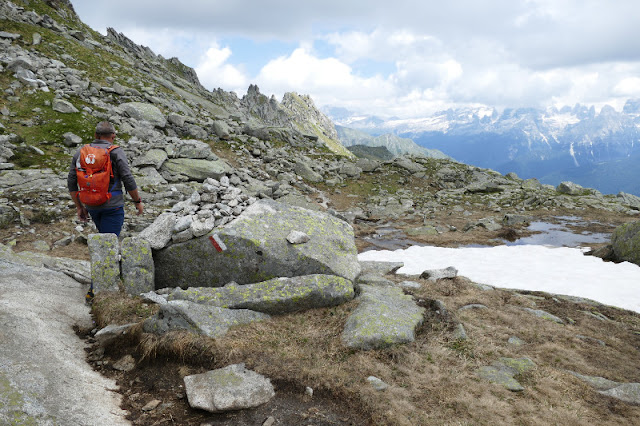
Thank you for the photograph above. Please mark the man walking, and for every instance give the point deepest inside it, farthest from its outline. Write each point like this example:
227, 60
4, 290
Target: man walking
108, 216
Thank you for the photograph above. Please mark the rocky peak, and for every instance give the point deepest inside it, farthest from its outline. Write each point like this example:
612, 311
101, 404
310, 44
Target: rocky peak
632, 107
264, 108
302, 107
128, 44
188, 73
57, 4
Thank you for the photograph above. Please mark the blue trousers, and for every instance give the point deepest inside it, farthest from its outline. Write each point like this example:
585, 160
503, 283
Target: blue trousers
108, 221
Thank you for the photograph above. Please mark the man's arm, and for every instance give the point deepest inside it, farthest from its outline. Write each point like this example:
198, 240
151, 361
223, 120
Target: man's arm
72, 185
124, 172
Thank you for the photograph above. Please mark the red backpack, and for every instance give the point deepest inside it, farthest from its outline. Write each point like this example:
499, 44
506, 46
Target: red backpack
94, 172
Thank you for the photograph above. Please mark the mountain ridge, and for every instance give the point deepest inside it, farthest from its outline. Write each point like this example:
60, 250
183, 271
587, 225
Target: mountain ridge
548, 144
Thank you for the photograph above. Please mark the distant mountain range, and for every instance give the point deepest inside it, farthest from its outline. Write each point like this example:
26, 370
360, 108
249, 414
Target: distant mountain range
595, 149
393, 143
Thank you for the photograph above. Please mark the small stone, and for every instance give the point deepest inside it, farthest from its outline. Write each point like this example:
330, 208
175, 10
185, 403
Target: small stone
269, 422
515, 341
409, 284
297, 237
473, 306
545, 315
152, 405
436, 274
460, 333
126, 363
377, 384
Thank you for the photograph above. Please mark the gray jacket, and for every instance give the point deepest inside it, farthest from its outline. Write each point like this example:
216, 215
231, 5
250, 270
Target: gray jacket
121, 175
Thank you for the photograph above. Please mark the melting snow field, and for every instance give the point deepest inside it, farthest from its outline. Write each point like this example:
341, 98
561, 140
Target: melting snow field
558, 270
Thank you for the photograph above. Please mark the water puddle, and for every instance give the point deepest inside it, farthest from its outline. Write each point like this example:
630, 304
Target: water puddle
561, 235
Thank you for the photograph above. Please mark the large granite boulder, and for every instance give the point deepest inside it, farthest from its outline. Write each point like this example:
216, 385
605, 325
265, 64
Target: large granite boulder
626, 242
194, 169
276, 296
192, 148
154, 157
571, 188
254, 248
145, 112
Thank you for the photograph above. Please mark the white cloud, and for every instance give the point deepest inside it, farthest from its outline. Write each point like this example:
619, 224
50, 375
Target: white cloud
327, 80
214, 72
628, 87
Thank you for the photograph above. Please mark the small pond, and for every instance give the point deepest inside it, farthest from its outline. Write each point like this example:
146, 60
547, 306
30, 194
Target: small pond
560, 235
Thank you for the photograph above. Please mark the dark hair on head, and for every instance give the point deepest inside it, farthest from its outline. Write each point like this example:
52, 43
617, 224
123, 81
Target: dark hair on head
105, 128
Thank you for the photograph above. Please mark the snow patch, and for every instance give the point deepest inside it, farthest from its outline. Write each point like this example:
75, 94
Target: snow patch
556, 270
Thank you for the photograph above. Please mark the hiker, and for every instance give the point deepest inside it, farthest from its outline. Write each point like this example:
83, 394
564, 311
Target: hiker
95, 180
108, 216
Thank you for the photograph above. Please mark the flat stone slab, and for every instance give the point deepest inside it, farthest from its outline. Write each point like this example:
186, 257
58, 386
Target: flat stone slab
545, 315
503, 372
276, 296
627, 392
384, 317
228, 389
381, 268
500, 377
209, 321
44, 376
373, 279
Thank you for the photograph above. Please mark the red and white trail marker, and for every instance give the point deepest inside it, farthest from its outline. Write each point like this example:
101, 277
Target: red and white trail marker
217, 243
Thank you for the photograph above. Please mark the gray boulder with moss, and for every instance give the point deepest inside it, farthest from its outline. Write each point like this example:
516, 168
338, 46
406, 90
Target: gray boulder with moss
276, 296
210, 321
256, 249
385, 317
228, 389
178, 169
104, 251
626, 242
137, 266
146, 112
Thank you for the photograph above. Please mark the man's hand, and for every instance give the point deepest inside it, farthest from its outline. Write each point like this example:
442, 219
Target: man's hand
83, 215
140, 208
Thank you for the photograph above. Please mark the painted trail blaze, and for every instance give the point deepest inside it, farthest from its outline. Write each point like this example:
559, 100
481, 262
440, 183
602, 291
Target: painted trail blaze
217, 242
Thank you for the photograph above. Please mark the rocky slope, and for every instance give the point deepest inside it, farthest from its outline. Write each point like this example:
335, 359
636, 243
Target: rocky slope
206, 156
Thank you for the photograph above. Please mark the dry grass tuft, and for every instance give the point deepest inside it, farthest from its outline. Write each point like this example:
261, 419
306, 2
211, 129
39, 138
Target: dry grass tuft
118, 308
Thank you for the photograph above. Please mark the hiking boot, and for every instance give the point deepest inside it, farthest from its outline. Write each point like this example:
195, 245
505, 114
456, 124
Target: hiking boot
88, 298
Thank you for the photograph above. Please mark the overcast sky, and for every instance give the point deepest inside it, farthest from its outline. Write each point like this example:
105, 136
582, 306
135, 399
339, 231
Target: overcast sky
406, 58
